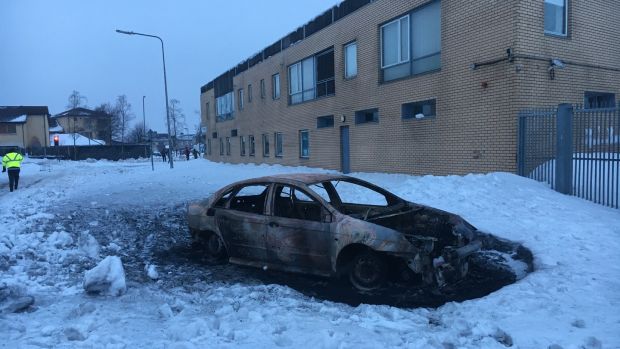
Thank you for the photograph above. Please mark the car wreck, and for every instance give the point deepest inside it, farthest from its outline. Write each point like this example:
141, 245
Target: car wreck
333, 225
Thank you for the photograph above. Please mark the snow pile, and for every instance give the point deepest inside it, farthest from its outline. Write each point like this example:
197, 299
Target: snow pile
571, 300
74, 139
107, 278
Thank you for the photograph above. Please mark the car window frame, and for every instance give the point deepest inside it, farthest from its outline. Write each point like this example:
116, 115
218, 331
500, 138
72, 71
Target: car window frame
238, 188
325, 207
336, 201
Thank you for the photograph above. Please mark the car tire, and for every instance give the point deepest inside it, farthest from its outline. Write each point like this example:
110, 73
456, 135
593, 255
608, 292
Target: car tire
210, 244
367, 271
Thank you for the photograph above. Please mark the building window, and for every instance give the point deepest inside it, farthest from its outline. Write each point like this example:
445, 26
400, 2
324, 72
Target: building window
214, 135
262, 88
418, 110
234, 132
252, 145
556, 15
366, 116
249, 93
411, 44
275, 85
312, 77
265, 145
8, 128
325, 121
304, 144
395, 42
240, 99
227, 145
221, 146
350, 60
224, 106
598, 100
207, 111
278, 138
242, 145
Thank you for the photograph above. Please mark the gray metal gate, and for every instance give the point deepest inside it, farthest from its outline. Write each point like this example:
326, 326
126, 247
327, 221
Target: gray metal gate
573, 149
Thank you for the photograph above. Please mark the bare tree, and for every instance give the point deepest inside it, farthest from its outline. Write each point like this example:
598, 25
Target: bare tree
136, 133
76, 100
108, 109
121, 118
177, 118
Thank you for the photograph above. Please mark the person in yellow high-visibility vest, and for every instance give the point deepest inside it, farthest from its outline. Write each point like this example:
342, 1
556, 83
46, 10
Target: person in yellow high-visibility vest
12, 161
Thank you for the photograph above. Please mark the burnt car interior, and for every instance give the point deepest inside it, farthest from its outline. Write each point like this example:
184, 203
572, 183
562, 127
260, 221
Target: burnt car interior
294, 203
250, 199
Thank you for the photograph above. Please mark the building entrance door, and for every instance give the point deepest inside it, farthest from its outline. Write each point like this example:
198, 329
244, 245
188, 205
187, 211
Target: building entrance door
345, 164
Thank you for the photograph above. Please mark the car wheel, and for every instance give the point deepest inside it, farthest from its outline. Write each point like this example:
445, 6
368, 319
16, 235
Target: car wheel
367, 271
215, 247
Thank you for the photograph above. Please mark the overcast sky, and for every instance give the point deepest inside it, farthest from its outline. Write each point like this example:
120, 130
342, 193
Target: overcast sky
50, 48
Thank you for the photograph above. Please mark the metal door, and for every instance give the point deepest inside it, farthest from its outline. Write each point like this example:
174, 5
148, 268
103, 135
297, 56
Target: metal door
345, 163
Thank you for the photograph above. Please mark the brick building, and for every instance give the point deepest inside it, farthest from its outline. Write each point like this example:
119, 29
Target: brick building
412, 86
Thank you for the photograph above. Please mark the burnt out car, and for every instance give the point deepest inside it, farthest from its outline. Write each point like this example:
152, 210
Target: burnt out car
332, 225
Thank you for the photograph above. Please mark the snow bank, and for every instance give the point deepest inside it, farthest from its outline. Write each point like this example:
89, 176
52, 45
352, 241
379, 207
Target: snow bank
107, 278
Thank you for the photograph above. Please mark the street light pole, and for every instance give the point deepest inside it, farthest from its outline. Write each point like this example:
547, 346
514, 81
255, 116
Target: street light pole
143, 120
163, 57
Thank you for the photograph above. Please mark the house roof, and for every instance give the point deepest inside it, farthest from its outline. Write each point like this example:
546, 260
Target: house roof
18, 114
83, 112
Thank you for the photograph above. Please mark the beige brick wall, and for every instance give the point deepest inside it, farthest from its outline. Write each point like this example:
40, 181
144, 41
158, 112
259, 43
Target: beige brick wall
475, 129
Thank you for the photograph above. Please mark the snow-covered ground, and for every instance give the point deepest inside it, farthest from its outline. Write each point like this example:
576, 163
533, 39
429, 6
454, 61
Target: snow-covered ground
67, 217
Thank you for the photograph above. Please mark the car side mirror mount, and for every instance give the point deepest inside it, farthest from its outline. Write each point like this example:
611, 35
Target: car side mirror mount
211, 212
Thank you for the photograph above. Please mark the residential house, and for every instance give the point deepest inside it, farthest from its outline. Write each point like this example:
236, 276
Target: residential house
25, 127
88, 123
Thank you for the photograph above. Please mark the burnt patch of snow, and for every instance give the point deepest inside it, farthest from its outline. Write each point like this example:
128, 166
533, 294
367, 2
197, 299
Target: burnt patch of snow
107, 278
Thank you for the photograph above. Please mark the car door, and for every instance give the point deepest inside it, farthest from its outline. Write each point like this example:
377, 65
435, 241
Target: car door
298, 232
243, 223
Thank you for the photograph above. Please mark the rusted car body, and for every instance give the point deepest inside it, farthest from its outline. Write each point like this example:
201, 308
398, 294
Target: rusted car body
332, 225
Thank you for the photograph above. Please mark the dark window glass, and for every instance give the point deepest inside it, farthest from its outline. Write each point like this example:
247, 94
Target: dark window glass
325, 121
265, 145
252, 145
233, 132
250, 199
418, 110
597, 100
304, 144
279, 140
242, 145
365, 116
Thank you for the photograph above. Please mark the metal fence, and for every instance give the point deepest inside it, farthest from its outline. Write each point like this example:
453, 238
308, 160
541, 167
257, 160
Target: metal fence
573, 149
97, 152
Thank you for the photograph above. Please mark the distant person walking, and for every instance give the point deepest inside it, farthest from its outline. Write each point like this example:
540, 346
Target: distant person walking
195, 152
186, 153
163, 154
12, 162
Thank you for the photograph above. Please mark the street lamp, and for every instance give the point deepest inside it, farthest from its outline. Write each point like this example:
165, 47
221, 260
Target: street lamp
143, 120
165, 83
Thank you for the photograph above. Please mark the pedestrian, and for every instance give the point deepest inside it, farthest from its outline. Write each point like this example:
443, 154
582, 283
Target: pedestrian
195, 152
163, 154
187, 153
12, 161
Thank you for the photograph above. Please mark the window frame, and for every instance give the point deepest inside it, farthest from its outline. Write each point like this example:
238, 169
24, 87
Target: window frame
266, 146
590, 94
251, 145
207, 110
227, 146
344, 50
301, 132
275, 86
320, 124
405, 115
8, 128
360, 121
262, 88
279, 143
221, 147
241, 145
399, 31
249, 93
565, 28
240, 98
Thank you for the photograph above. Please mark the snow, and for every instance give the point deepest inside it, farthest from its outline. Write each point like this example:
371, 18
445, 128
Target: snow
68, 139
17, 119
571, 300
107, 278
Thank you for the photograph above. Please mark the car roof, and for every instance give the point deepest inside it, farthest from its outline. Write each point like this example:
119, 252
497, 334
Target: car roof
296, 178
